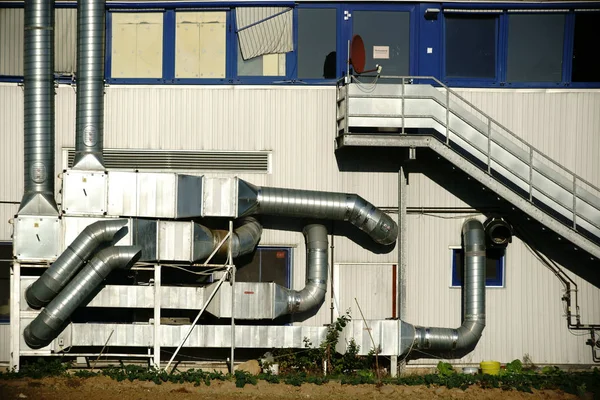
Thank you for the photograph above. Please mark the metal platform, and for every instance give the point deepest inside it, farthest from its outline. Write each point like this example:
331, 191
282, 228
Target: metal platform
408, 114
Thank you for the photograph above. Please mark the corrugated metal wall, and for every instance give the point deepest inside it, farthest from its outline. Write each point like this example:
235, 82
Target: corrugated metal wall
298, 125
4, 343
11, 41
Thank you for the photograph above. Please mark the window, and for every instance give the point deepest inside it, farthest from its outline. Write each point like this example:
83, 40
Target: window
494, 270
268, 264
471, 46
200, 44
5, 261
317, 29
586, 57
535, 47
386, 37
137, 45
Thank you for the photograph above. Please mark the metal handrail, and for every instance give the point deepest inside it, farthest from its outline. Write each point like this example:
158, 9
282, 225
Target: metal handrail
529, 149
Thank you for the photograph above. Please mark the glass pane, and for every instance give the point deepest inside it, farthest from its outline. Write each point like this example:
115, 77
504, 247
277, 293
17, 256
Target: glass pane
471, 46
5, 261
316, 43
200, 44
249, 272
586, 60
493, 267
386, 33
274, 266
535, 47
137, 45
267, 65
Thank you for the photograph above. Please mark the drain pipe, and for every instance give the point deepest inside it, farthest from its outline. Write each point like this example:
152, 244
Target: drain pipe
313, 204
52, 320
89, 118
289, 301
464, 339
38, 124
43, 290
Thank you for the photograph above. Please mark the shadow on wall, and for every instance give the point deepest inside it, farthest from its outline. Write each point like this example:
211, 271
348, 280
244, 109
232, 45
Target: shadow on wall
528, 230
370, 159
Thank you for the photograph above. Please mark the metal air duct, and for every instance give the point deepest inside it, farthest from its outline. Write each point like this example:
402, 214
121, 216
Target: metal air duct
447, 340
38, 74
42, 291
90, 85
244, 240
498, 231
50, 322
316, 272
313, 204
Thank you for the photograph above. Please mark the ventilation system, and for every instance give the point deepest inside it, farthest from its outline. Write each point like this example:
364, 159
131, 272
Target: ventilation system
181, 160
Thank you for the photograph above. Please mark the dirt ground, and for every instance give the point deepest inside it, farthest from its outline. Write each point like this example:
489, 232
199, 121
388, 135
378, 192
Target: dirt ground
104, 388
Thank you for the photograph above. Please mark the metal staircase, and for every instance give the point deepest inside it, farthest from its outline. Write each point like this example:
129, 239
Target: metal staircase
408, 112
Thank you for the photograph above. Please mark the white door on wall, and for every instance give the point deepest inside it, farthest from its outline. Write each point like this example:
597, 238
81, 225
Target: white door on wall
372, 285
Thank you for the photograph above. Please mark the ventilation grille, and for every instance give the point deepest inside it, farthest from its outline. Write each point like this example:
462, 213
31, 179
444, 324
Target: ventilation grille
246, 161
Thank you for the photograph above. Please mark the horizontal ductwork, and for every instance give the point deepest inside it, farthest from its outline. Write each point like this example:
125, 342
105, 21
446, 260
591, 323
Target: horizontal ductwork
53, 319
71, 260
176, 196
321, 205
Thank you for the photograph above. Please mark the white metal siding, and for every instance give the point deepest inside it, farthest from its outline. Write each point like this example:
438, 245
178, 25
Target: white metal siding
4, 343
298, 125
11, 41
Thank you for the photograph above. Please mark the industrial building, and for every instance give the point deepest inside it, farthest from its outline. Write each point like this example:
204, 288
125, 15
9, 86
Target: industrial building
429, 167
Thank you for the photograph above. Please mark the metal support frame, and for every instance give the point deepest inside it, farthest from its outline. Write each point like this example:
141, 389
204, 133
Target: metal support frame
228, 270
157, 306
15, 316
402, 242
231, 270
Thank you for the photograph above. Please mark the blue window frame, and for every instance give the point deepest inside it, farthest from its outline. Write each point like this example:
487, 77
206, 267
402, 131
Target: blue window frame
494, 269
534, 45
267, 264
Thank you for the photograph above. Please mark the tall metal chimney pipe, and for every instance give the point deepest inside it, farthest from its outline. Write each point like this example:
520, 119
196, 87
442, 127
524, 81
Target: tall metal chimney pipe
89, 118
38, 74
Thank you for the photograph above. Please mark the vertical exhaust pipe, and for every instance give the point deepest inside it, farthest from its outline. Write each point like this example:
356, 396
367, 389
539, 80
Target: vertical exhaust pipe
89, 118
38, 74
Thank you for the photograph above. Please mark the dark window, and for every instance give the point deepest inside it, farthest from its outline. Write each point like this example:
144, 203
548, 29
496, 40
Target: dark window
386, 35
586, 51
471, 46
535, 47
5, 261
269, 264
316, 42
494, 271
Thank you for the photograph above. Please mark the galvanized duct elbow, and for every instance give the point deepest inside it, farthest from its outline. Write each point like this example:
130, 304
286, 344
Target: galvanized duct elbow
49, 323
245, 238
38, 74
42, 291
316, 272
324, 205
89, 118
465, 338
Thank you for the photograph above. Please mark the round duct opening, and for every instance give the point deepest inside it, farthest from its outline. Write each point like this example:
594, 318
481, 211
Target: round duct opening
498, 232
